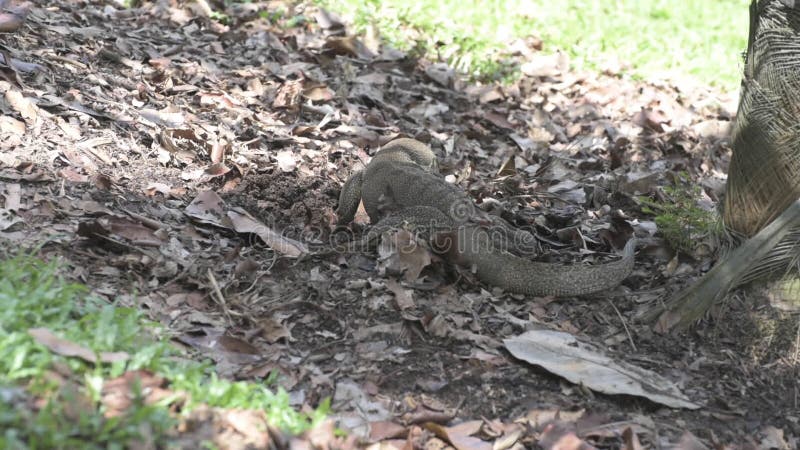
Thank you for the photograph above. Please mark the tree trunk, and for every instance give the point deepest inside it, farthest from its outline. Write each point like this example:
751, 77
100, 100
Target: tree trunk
764, 174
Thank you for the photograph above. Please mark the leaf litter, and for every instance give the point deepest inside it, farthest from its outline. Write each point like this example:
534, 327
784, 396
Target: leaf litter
185, 166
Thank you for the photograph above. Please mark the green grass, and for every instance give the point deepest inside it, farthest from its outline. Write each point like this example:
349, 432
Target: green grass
32, 295
680, 219
658, 38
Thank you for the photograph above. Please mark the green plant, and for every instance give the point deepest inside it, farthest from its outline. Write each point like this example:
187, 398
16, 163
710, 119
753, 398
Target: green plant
34, 295
679, 218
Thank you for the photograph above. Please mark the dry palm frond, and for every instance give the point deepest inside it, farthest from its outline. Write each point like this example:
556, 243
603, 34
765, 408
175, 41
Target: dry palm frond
691, 303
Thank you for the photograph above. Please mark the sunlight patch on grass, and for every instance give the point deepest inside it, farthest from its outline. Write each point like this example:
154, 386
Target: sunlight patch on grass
657, 38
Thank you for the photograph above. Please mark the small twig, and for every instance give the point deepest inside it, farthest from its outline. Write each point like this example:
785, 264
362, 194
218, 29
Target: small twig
146, 221
123, 244
69, 61
624, 325
322, 347
219, 297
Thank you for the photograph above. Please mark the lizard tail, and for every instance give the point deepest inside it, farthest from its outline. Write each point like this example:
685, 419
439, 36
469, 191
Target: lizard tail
522, 276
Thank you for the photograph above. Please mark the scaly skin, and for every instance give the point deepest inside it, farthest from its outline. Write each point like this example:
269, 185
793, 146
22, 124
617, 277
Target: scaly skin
399, 151
401, 176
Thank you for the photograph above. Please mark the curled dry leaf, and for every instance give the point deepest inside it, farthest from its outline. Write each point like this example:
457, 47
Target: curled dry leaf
68, 348
273, 330
400, 252
244, 223
209, 208
120, 228
21, 104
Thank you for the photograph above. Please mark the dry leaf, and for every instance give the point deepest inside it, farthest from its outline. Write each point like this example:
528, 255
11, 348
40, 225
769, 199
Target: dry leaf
400, 252
68, 348
383, 429
459, 436
208, 208
272, 330
286, 161
21, 104
585, 364
403, 297
243, 222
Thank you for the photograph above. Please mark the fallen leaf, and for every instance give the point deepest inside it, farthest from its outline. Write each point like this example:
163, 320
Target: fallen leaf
117, 395
441, 73
403, 297
164, 118
24, 106
348, 46
286, 161
244, 223
273, 330
11, 126
68, 348
582, 363
12, 193
400, 252
120, 228
459, 435
382, 429
208, 208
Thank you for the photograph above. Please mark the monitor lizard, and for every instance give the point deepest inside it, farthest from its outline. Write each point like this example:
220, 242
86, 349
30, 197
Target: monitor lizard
401, 184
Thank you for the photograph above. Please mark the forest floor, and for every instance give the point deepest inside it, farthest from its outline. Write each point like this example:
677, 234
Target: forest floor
150, 148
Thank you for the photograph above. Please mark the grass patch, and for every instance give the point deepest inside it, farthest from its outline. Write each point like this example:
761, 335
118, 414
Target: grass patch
658, 38
680, 220
33, 295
